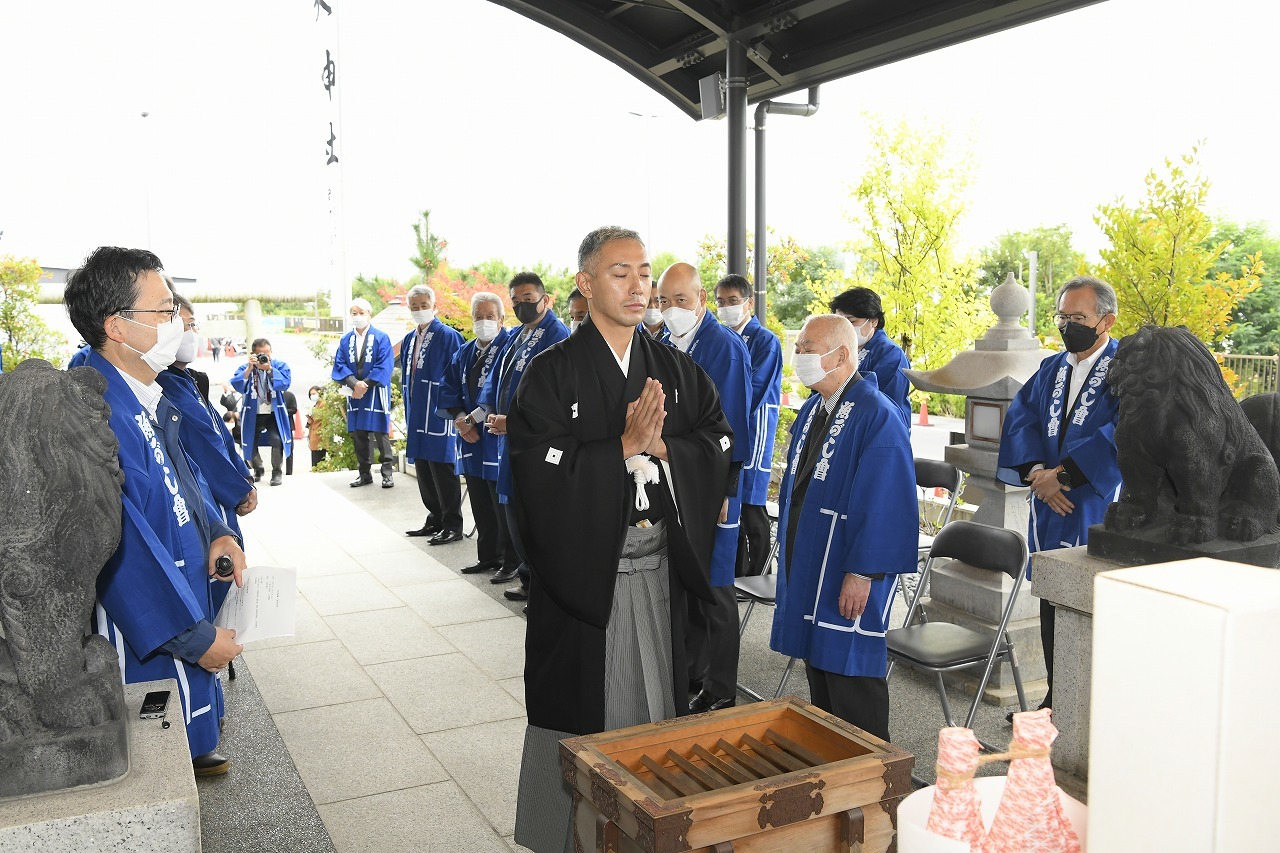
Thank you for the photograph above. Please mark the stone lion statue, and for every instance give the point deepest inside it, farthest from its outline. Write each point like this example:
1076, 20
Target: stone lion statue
1190, 459
60, 686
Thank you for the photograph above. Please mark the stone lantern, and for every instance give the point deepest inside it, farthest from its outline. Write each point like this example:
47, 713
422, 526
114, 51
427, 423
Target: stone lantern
988, 376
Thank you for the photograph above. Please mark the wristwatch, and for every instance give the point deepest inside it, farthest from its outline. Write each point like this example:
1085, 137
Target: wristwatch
1064, 478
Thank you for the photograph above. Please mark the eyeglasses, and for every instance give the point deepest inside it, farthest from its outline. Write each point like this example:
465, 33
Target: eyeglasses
729, 300
1062, 319
193, 326
171, 312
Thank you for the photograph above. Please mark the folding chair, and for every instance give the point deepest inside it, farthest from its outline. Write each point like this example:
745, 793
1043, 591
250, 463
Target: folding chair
931, 474
763, 589
942, 647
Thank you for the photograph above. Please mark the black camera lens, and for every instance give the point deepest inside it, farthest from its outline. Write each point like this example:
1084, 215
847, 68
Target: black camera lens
262, 358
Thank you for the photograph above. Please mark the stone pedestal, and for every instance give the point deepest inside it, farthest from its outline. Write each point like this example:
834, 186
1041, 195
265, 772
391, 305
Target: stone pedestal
1065, 578
153, 808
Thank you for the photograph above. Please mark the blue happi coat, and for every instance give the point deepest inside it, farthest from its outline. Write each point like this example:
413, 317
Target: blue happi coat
859, 515
157, 583
478, 459
243, 381
1040, 428
766, 395
663, 335
500, 386
723, 355
431, 435
208, 442
374, 365
886, 360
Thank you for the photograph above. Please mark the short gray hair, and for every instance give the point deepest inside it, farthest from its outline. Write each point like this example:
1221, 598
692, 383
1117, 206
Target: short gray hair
594, 242
420, 290
1104, 294
485, 296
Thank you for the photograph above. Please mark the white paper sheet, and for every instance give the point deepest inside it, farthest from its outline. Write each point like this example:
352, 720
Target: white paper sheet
264, 607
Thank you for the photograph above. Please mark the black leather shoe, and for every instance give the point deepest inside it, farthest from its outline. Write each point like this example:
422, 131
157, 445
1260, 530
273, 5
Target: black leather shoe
505, 575
277, 479
704, 701
1008, 718
445, 537
386, 481
424, 530
210, 764
257, 474
482, 566
361, 481
516, 593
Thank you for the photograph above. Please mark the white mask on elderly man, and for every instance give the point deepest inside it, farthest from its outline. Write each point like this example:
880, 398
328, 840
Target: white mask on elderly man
486, 330
423, 318
680, 320
808, 367
188, 348
360, 321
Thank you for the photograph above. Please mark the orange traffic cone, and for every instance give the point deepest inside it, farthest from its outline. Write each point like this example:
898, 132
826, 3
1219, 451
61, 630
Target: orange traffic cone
924, 413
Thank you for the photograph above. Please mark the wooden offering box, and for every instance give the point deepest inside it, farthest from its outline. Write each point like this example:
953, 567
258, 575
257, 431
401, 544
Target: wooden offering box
779, 775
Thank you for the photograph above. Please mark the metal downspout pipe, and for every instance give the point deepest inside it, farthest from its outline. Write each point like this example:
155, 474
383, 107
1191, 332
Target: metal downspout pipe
736, 111
761, 242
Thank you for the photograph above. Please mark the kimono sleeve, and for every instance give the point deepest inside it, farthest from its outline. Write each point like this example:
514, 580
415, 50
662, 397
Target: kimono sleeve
883, 516
142, 588
238, 380
341, 363
572, 498
451, 386
379, 372
768, 372
896, 386
281, 376
1095, 456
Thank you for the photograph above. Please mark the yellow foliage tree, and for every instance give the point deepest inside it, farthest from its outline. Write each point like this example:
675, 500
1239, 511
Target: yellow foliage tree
1160, 257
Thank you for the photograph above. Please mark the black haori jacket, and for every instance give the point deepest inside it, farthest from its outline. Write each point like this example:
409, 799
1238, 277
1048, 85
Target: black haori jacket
574, 500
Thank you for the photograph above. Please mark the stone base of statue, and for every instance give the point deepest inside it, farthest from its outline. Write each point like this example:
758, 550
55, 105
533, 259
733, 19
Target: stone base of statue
155, 806
1143, 547
56, 760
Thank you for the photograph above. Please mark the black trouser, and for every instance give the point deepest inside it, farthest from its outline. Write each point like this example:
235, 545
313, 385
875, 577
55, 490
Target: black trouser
267, 431
510, 557
711, 642
484, 509
753, 541
317, 456
441, 494
858, 699
1047, 611
361, 439
517, 547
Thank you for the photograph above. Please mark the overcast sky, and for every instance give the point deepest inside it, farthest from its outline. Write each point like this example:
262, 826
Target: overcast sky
520, 141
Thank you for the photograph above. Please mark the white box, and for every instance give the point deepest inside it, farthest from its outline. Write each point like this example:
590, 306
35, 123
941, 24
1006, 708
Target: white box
1184, 753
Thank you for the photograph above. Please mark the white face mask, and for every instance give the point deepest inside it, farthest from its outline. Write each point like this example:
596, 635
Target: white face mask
422, 318
808, 367
486, 330
168, 337
574, 325
189, 348
652, 316
680, 320
732, 315
360, 321
864, 332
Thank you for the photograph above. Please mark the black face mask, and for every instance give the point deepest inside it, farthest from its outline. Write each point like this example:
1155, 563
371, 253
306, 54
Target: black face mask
1078, 337
527, 312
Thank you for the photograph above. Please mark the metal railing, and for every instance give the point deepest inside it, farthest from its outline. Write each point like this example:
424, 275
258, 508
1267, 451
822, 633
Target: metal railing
1255, 374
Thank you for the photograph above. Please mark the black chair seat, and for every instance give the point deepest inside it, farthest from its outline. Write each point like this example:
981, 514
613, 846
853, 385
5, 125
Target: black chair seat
762, 588
940, 644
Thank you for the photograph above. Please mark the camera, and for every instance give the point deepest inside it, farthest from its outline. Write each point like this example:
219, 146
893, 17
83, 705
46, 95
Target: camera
262, 358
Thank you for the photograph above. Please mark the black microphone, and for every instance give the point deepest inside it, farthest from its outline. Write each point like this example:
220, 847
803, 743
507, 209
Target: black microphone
224, 567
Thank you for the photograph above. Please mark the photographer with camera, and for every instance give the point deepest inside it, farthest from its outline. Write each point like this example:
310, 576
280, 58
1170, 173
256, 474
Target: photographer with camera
263, 381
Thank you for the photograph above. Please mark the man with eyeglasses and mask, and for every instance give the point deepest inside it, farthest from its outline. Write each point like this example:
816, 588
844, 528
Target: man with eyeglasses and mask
540, 328
735, 308
877, 352
1059, 434
155, 599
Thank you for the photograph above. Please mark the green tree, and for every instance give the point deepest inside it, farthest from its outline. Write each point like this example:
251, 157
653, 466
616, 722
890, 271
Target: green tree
1257, 330
908, 206
377, 290
1161, 259
25, 334
430, 248
1057, 261
661, 261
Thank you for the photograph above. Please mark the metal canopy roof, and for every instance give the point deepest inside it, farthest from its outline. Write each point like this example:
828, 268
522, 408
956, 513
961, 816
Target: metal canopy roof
791, 44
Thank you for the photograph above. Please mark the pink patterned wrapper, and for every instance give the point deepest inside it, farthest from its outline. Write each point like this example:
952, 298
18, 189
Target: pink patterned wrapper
956, 813
1030, 818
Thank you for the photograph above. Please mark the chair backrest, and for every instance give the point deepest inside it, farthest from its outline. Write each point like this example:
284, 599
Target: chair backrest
936, 474
982, 546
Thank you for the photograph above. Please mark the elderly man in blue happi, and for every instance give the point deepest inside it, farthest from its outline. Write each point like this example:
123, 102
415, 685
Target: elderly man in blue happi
155, 594
1059, 435
847, 522
363, 364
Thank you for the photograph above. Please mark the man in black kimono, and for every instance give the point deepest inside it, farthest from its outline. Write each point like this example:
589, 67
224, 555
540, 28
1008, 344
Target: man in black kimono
607, 426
